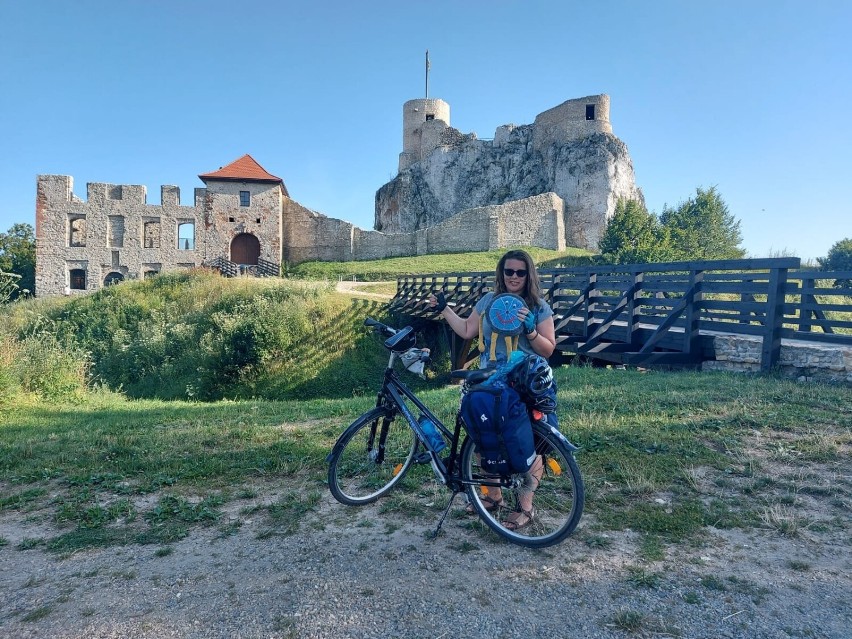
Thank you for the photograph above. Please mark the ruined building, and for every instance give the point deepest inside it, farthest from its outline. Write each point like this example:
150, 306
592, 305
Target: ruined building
551, 184
569, 151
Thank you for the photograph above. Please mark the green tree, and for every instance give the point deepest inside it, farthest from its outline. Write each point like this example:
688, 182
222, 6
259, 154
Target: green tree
634, 236
17, 255
839, 258
702, 228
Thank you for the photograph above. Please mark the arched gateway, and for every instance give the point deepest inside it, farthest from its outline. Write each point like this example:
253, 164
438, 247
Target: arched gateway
245, 249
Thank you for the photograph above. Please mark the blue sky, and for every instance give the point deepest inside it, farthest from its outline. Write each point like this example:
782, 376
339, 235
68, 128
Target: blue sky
750, 96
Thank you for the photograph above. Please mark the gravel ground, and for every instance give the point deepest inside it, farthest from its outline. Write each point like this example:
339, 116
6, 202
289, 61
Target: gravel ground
361, 573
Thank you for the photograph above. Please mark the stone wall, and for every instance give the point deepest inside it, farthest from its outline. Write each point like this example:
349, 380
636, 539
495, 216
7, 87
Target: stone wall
113, 234
799, 359
308, 235
534, 221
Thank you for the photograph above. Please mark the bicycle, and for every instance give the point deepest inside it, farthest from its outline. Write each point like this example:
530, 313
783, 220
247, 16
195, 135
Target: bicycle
374, 453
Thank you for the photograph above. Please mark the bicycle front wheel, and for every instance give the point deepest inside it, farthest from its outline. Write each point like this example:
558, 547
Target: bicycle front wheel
370, 457
557, 500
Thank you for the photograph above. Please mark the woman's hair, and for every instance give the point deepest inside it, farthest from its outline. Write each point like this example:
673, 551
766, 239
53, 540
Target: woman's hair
532, 286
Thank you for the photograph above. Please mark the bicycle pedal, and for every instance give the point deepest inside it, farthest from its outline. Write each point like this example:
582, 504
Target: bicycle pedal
422, 458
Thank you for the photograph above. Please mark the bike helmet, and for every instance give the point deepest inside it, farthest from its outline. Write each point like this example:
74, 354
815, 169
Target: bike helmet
533, 379
544, 403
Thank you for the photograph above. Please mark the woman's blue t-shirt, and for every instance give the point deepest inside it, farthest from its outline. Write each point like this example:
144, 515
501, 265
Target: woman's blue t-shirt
542, 312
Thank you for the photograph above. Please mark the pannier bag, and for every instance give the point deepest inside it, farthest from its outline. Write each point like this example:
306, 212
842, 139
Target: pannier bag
499, 423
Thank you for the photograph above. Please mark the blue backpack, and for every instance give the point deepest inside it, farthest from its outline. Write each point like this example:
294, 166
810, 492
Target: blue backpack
499, 423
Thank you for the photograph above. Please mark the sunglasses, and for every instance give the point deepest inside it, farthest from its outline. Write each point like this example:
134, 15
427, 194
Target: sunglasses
510, 272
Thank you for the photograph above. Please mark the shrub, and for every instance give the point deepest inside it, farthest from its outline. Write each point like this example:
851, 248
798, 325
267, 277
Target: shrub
48, 367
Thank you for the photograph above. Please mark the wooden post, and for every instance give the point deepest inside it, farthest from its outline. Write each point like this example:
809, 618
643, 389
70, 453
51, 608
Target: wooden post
590, 305
771, 352
805, 300
692, 313
632, 306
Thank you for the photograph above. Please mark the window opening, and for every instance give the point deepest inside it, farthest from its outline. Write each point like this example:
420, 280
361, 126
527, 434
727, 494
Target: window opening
230, 219
430, 116
590, 111
77, 279
77, 232
113, 278
116, 230
151, 234
186, 236
245, 198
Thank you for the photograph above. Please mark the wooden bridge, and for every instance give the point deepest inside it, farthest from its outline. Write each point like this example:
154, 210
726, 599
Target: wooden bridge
661, 315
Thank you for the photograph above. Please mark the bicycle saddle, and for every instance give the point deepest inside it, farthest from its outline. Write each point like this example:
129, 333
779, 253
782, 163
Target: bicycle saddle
473, 377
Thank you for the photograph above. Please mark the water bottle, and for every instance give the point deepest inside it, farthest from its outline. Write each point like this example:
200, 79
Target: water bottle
433, 436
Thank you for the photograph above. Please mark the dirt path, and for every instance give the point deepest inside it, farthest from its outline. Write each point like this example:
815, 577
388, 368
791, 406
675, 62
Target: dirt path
355, 289
346, 572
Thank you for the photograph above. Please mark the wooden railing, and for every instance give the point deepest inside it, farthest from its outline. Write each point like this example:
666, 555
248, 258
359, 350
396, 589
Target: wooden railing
664, 314
263, 268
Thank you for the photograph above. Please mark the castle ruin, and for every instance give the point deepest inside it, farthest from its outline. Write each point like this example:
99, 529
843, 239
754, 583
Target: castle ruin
551, 184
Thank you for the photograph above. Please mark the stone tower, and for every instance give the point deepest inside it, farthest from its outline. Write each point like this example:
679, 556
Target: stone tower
423, 122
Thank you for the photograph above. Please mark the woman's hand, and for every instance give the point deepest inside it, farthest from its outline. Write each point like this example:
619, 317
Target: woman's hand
527, 318
438, 301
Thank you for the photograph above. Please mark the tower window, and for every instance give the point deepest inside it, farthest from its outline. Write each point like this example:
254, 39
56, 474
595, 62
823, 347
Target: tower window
590, 111
245, 198
430, 116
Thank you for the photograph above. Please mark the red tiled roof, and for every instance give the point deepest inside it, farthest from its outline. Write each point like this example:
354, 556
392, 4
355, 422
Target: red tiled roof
246, 168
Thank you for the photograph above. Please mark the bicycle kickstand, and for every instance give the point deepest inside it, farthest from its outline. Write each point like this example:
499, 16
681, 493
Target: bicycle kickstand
435, 534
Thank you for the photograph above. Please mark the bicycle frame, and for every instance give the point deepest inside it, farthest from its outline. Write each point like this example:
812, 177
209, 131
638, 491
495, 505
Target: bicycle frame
395, 391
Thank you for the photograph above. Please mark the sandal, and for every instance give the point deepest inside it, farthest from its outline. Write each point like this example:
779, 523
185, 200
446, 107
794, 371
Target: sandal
517, 524
489, 503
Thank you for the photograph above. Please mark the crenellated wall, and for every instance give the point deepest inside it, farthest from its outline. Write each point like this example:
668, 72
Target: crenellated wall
112, 236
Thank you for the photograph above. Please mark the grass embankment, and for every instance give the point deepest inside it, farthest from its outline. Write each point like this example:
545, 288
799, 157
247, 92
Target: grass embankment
391, 268
192, 336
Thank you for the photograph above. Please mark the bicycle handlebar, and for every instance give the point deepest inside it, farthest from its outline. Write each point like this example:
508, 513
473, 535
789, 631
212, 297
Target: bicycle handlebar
378, 327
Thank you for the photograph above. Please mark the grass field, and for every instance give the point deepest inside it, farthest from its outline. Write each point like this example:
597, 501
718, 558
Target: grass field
664, 454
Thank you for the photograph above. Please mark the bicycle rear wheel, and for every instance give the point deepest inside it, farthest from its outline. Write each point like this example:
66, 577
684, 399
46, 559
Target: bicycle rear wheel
370, 457
557, 501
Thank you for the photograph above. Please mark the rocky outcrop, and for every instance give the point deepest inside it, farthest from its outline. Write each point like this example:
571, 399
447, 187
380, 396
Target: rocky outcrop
589, 174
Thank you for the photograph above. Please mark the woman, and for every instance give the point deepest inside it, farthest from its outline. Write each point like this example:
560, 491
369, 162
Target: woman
516, 273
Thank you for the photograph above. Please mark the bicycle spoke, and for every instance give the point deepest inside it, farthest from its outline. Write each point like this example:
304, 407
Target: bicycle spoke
557, 500
361, 470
